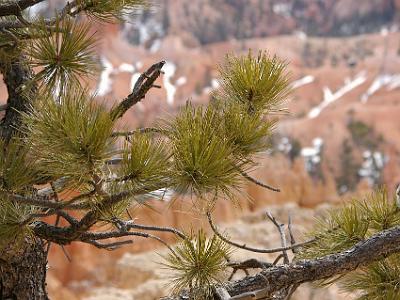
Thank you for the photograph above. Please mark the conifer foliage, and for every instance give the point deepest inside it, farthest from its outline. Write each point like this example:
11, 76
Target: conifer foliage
55, 138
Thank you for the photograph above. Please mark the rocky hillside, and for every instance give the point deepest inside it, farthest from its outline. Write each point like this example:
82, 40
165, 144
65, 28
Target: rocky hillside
209, 21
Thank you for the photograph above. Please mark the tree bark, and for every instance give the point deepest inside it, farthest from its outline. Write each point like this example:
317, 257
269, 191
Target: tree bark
21, 93
22, 262
23, 270
273, 280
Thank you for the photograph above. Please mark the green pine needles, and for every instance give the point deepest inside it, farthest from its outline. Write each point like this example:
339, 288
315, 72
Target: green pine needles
260, 82
203, 157
199, 263
341, 229
110, 11
378, 281
65, 56
71, 138
145, 164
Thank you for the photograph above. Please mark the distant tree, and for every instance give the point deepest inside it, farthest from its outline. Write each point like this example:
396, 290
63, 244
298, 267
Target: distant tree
55, 138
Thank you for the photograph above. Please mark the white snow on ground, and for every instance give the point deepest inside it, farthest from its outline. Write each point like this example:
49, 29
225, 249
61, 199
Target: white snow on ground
134, 78
284, 145
390, 81
301, 35
38, 8
181, 81
163, 194
124, 67
330, 97
312, 155
169, 71
105, 83
155, 46
282, 9
214, 85
139, 65
302, 81
372, 166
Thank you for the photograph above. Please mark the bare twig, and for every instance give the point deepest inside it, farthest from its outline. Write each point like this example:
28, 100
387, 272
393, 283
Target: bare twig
221, 293
281, 229
249, 178
132, 225
247, 264
95, 236
291, 291
243, 246
142, 86
53, 187
137, 131
290, 229
109, 246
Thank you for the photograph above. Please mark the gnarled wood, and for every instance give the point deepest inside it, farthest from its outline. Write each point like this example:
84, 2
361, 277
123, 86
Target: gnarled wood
275, 279
23, 270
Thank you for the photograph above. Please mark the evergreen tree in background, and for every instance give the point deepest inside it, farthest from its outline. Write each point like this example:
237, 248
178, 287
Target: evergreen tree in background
56, 139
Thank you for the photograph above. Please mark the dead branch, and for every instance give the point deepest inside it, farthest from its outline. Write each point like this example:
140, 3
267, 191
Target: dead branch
243, 246
142, 86
253, 180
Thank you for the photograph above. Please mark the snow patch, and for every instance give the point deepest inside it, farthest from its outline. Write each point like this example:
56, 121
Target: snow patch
139, 65
302, 81
330, 97
134, 78
282, 9
391, 81
155, 46
38, 8
105, 83
372, 166
181, 81
169, 71
284, 145
124, 67
312, 155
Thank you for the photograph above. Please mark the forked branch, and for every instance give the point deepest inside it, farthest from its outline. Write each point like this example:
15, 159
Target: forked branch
142, 86
252, 249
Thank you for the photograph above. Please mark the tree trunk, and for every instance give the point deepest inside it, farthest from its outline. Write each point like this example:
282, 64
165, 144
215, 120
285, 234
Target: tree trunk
23, 270
22, 262
21, 94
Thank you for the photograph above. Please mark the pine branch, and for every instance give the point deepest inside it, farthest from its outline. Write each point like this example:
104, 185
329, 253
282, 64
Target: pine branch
274, 279
249, 178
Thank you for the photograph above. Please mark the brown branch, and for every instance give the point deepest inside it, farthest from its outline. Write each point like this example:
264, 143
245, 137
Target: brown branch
244, 247
142, 86
108, 246
14, 8
275, 279
253, 180
251, 263
292, 239
127, 225
363, 253
137, 131
95, 236
281, 230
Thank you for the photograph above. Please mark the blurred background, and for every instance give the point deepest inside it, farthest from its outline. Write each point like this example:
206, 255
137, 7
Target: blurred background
340, 139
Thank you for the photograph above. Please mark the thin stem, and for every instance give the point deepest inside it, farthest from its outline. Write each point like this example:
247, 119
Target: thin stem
249, 178
244, 247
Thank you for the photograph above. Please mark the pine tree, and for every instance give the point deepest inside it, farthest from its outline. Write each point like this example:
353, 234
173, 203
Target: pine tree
56, 138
